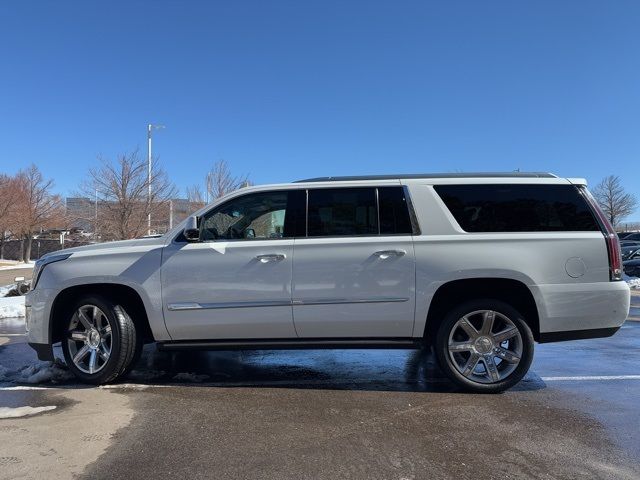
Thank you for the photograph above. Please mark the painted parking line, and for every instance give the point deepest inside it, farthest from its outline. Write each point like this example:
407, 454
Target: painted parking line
581, 378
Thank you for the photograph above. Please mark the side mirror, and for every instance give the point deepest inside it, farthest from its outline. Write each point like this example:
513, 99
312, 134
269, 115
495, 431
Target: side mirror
191, 231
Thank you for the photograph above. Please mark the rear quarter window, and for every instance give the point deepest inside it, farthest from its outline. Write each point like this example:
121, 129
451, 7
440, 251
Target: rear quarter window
518, 208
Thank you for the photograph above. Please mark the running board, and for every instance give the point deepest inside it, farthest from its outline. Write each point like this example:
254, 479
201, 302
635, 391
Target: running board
292, 344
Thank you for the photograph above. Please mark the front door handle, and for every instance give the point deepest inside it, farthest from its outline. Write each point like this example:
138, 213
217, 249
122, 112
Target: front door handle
384, 254
270, 257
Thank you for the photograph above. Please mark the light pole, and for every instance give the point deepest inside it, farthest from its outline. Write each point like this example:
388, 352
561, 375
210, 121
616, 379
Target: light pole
95, 229
150, 127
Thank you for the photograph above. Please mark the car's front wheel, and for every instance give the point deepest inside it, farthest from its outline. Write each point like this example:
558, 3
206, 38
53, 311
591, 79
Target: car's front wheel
99, 341
484, 346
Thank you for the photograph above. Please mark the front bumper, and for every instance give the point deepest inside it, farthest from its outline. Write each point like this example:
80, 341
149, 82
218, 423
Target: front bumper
43, 350
38, 305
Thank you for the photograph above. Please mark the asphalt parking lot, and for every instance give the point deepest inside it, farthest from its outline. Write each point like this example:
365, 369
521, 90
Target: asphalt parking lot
325, 414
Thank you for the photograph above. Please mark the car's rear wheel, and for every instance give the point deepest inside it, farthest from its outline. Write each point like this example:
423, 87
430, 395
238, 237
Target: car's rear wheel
484, 346
99, 341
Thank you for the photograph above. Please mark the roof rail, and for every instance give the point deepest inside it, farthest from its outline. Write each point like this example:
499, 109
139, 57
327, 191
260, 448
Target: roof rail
431, 175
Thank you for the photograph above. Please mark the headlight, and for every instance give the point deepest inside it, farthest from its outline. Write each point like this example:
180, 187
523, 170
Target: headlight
43, 262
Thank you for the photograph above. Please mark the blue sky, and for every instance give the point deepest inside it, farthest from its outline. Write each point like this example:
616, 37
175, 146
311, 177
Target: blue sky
287, 90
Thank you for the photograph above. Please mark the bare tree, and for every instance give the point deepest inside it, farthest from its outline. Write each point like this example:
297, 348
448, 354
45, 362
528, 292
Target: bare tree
36, 206
615, 202
120, 189
8, 198
195, 197
220, 181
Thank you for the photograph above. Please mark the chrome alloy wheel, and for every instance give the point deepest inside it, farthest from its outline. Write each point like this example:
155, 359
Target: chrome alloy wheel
89, 339
485, 346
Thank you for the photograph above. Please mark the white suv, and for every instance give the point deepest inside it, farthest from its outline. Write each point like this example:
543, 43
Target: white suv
478, 266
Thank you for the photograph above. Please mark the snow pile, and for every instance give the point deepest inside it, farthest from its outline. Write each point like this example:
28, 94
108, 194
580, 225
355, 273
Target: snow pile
11, 307
38, 372
634, 282
8, 412
6, 289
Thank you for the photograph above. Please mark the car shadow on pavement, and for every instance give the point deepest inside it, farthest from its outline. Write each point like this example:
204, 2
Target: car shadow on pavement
364, 370
367, 370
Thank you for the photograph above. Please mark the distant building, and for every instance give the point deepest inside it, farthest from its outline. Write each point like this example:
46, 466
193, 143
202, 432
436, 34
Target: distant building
81, 213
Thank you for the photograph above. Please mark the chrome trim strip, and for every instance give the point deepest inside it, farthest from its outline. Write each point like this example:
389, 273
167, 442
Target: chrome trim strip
280, 303
338, 301
211, 306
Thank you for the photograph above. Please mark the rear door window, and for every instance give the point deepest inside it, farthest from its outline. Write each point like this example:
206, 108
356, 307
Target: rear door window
342, 212
518, 208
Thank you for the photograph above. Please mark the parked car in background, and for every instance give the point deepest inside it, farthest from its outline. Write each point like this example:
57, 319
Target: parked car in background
626, 243
622, 235
632, 267
630, 236
476, 266
630, 252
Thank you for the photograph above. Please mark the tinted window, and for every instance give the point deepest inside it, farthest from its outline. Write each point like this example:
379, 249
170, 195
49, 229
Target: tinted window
254, 216
342, 211
518, 208
394, 213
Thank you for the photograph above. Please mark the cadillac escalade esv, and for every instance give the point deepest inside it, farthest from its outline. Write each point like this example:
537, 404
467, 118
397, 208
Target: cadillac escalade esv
476, 266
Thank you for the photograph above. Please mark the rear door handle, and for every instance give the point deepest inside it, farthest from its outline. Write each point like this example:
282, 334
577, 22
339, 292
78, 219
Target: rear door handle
383, 254
270, 257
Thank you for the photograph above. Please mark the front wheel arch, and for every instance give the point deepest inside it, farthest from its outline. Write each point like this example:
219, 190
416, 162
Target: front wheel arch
117, 293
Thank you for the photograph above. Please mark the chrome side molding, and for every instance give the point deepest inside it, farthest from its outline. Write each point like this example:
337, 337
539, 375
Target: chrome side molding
210, 306
281, 303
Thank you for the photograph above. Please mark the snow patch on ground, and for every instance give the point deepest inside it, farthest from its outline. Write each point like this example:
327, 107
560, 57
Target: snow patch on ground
11, 307
633, 282
37, 372
190, 377
18, 265
6, 289
8, 412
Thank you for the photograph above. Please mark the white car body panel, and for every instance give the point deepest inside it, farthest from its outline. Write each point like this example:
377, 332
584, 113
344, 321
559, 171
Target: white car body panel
337, 275
223, 290
342, 289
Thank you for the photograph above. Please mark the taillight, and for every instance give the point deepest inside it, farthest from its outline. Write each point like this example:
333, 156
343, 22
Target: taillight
610, 236
615, 257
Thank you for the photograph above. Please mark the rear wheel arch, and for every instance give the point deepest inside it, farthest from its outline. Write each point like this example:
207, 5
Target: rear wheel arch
118, 293
453, 293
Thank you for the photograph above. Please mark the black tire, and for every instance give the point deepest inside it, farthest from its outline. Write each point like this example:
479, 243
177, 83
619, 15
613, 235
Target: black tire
123, 339
447, 364
137, 353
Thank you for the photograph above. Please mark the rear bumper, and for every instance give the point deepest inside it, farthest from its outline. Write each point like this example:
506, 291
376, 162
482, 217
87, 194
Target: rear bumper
577, 334
581, 308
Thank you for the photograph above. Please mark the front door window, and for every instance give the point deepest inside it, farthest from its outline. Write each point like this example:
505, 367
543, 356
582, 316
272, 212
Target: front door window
251, 217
